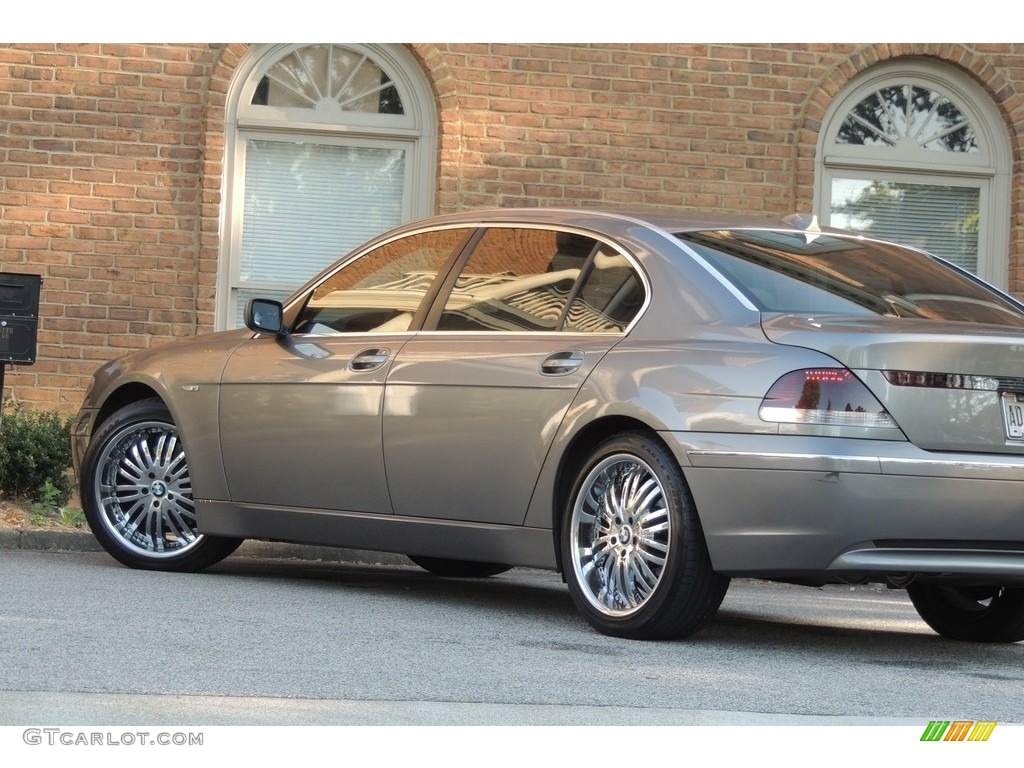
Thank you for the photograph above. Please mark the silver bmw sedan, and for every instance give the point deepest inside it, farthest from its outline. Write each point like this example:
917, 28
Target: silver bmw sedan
648, 403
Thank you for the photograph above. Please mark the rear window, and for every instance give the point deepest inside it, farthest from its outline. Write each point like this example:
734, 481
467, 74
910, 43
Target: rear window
820, 273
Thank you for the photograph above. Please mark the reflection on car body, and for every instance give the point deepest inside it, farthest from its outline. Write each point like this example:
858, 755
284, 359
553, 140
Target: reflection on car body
648, 402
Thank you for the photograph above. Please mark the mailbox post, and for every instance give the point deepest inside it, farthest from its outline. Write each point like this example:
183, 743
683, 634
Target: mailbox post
19, 320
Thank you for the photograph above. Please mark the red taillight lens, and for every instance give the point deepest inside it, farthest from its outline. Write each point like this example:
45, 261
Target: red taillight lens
830, 396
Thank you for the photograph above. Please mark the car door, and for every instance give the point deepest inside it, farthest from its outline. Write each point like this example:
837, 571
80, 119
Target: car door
300, 415
471, 406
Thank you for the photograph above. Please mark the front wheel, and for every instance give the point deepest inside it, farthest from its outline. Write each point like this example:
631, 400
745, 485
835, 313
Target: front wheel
137, 493
632, 547
985, 614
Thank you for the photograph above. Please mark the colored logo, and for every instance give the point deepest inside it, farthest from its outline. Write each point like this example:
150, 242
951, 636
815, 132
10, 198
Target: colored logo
958, 730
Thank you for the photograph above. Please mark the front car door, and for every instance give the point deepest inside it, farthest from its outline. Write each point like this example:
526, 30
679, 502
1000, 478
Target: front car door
300, 415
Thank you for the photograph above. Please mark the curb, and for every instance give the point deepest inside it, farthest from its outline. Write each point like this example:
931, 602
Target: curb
84, 541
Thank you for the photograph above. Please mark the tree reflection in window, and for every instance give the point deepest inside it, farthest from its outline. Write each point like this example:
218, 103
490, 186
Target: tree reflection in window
328, 78
936, 218
902, 115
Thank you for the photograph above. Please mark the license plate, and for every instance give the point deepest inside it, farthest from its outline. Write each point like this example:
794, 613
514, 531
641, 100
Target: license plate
1013, 416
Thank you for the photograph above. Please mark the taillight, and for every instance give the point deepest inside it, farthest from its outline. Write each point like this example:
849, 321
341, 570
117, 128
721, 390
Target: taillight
941, 380
829, 396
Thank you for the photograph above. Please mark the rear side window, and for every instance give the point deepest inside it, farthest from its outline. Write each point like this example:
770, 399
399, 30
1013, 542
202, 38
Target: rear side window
610, 297
809, 273
517, 279
532, 279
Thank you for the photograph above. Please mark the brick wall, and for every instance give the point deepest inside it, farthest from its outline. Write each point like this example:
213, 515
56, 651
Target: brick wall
708, 127
111, 159
100, 161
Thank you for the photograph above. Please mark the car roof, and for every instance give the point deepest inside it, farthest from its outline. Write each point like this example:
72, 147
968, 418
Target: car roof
667, 219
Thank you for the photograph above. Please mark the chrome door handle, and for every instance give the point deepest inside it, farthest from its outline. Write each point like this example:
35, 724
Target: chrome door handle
369, 359
562, 363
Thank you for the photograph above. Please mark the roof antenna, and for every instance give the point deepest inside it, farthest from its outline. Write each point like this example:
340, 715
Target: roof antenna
808, 222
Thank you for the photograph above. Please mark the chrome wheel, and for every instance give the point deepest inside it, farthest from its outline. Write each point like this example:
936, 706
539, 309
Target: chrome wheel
633, 551
137, 493
621, 535
143, 491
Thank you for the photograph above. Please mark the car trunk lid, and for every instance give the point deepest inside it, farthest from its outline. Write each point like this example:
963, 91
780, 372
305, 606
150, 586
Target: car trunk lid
950, 386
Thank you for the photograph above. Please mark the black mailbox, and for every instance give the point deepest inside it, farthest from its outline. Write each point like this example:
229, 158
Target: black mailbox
19, 317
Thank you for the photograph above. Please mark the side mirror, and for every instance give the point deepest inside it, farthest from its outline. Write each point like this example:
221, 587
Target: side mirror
265, 316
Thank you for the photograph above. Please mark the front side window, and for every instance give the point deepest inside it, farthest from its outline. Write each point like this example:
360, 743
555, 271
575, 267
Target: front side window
381, 291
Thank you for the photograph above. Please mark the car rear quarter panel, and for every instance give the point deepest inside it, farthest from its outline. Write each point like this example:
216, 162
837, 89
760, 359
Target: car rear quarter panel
713, 382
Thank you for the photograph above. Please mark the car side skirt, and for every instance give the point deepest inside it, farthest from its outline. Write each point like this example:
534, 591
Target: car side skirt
507, 544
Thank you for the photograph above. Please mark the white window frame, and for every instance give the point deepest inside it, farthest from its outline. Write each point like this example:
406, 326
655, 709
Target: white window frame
988, 170
414, 132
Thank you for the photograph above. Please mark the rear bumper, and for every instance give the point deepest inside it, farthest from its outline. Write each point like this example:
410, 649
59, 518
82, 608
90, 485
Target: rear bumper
839, 508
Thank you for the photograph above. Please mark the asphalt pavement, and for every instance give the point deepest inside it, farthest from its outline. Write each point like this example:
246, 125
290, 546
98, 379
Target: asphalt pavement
82, 540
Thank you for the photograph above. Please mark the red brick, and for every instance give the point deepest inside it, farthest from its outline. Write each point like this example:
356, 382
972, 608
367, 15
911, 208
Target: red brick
112, 157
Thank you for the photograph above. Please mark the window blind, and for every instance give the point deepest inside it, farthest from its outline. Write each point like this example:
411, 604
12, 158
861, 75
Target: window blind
942, 220
307, 204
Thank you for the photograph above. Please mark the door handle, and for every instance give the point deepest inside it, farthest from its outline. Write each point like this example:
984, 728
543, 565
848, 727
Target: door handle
369, 359
562, 363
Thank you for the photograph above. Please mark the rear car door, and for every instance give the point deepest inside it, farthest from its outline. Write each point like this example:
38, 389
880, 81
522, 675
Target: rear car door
473, 402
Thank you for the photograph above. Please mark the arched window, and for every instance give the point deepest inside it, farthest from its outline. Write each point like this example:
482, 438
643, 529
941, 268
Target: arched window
326, 146
914, 151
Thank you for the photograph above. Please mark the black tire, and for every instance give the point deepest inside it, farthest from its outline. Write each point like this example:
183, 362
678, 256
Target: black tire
137, 493
990, 614
462, 569
631, 522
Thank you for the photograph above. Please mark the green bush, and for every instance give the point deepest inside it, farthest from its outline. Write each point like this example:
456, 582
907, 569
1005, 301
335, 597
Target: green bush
35, 454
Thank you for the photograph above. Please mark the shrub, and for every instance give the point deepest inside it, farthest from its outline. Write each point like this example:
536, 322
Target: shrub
35, 454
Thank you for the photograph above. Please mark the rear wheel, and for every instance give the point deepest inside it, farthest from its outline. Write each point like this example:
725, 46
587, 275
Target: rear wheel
137, 493
632, 547
465, 569
986, 614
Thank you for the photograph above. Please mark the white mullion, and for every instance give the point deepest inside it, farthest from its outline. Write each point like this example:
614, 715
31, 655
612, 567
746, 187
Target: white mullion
872, 129
889, 113
928, 118
345, 84
312, 80
951, 129
367, 92
908, 110
285, 85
